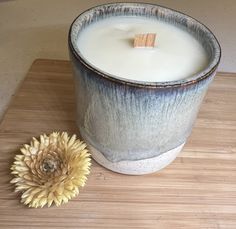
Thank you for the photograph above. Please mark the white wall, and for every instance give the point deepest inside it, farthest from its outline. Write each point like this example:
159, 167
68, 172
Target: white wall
31, 29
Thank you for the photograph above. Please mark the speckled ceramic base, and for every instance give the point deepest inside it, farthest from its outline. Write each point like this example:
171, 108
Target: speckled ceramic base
138, 167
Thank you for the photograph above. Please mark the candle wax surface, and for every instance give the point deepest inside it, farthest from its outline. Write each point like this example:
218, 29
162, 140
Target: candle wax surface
108, 46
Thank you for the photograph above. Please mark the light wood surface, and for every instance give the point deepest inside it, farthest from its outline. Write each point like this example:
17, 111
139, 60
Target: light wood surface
198, 190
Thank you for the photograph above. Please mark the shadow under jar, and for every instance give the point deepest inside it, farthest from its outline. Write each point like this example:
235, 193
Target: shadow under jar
132, 125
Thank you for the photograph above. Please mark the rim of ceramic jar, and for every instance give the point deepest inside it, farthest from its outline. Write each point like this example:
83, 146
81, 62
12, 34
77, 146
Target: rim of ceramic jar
78, 24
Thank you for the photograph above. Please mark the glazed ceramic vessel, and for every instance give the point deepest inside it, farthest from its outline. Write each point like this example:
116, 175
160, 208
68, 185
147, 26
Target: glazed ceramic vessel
137, 127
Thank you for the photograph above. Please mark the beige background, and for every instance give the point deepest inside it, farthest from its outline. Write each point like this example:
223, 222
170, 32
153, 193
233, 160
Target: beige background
31, 29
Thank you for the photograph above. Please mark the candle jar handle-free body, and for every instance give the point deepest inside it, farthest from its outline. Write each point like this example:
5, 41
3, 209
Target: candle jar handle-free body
138, 127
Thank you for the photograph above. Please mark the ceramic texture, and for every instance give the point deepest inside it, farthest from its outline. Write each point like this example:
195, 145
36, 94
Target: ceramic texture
131, 123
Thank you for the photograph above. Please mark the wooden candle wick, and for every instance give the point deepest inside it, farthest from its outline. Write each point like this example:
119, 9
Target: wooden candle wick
144, 40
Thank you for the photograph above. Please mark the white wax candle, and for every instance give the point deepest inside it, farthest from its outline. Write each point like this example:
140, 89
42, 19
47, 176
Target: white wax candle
108, 45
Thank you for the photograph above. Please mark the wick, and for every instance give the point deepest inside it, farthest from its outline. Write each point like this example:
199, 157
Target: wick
144, 40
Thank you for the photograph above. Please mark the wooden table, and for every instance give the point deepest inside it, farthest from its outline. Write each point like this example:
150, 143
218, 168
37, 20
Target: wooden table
198, 190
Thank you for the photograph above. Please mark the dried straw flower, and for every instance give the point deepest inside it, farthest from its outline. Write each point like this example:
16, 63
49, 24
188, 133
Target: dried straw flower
51, 170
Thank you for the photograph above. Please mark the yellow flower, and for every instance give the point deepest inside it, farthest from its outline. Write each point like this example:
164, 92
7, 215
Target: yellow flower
51, 170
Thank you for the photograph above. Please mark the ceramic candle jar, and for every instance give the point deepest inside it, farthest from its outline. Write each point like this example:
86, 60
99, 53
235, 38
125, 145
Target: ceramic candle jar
135, 126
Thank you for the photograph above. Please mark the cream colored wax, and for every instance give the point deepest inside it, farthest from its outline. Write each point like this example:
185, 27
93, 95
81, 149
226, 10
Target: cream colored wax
108, 45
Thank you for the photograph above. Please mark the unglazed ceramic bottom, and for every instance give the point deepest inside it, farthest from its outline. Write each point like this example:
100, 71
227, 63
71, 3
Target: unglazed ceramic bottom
138, 167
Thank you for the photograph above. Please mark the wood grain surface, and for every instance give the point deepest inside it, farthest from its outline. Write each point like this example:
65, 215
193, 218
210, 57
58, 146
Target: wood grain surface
198, 190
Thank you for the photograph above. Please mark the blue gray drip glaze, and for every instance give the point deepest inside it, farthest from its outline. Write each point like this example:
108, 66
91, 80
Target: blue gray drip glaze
129, 120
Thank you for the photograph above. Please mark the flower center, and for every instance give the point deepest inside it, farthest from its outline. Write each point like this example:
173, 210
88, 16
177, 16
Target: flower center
49, 165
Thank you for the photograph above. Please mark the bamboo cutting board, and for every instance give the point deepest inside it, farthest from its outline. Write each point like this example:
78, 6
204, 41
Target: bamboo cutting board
198, 190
